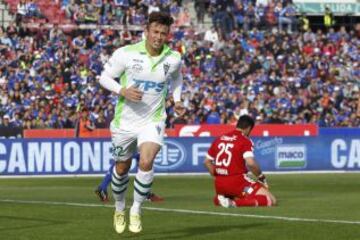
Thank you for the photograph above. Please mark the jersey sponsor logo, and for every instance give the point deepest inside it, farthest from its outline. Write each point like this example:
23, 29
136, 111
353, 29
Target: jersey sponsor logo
166, 68
228, 138
171, 156
291, 156
147, 85
138, 60
137, 68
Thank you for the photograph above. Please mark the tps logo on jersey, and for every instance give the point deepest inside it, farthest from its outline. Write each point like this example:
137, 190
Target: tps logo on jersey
171, 156
147, 85
290, 156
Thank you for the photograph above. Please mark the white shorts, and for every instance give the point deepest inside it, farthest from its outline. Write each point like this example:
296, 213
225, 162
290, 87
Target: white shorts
125, 142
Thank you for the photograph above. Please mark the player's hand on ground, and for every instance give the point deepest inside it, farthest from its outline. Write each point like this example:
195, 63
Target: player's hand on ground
179, 108
132, 94
266, 185
263, 181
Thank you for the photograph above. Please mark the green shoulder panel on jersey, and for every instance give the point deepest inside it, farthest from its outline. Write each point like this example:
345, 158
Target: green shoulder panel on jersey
121, 102
175, 54
140, 47
136, 47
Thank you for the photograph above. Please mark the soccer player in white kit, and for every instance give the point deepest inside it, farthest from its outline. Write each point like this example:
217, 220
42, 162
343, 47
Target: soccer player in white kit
145, 70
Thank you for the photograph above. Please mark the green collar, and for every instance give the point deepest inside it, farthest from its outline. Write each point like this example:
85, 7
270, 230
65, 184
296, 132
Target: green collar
142, 48
164, 51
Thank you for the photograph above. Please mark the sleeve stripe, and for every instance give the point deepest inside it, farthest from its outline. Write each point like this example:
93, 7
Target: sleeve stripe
248, 154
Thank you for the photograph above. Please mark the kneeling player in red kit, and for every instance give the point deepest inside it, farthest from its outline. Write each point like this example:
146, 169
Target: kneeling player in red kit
228, 160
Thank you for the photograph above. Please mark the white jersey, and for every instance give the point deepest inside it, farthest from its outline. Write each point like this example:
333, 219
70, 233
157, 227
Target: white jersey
151, 75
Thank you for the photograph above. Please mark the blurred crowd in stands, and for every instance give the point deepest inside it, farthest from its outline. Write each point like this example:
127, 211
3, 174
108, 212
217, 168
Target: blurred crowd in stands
104, 12
259, 58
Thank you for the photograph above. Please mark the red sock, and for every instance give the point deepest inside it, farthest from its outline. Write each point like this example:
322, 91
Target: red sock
253, 201
246, 202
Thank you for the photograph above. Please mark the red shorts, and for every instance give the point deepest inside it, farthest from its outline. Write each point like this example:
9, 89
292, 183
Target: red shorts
235, 186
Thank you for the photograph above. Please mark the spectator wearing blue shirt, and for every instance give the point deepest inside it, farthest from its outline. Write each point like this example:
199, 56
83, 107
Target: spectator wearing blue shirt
5, 40
213, 117
79, 42
255, 66
33, 10
122, 3
287, 16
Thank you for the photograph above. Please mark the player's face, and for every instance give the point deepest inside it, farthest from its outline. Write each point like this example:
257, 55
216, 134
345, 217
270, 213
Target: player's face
156, 35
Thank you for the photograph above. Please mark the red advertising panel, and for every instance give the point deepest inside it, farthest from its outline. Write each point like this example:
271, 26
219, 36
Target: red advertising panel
63, 133
204, 130
266, 130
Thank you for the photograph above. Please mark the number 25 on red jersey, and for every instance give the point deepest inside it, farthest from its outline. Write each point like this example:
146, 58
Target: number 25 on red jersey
225, 160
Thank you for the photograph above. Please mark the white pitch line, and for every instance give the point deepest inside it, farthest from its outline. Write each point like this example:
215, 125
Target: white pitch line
290, 219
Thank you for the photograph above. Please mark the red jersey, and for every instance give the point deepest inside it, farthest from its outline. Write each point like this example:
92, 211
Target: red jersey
228, 153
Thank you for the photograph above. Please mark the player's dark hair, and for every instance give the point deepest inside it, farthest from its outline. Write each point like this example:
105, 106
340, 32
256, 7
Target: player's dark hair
245, 121
161, 18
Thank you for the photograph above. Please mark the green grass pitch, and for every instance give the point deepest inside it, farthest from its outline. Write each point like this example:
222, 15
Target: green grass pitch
311, 206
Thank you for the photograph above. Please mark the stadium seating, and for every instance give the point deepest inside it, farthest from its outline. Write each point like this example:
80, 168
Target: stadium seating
276, 76
51, 10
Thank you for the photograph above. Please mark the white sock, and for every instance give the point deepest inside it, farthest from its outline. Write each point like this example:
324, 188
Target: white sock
119, 185
142, 187
120, 206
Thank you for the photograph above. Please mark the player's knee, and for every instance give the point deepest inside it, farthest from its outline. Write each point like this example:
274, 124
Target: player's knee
145, 165
121, 169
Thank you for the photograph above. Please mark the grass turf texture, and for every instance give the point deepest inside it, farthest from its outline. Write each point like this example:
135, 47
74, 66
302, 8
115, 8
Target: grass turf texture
307, 196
